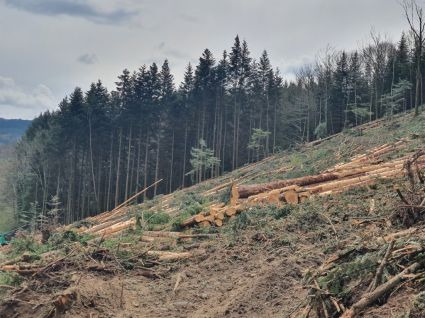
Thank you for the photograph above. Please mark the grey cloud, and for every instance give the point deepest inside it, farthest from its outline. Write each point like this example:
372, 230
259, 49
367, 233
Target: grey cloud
293, 32
161, 46
12, 95
171, 52
175, 54
87, 58
189, 18
76, 8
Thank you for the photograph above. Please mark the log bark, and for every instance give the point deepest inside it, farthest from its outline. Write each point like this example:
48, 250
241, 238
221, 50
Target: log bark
291, 197
246, 191
117, 228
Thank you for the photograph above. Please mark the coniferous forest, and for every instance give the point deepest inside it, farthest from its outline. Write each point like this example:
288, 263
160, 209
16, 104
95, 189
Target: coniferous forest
100, 147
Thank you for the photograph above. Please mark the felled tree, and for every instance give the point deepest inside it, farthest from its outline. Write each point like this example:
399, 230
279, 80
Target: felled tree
258, 141
202, 161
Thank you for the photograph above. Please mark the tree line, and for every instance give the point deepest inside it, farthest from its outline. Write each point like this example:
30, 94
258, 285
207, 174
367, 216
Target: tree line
100, 147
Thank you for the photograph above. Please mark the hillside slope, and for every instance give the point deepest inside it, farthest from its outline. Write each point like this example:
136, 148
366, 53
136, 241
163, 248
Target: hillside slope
12, 129
318, 258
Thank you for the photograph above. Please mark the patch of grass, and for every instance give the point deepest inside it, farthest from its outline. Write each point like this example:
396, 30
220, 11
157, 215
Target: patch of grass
307, 216
281, 212
151, 220
27, 244
126, 237
59, 240
10, 278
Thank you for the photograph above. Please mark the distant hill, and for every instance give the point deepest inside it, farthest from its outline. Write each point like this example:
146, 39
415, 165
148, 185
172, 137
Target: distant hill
12, 129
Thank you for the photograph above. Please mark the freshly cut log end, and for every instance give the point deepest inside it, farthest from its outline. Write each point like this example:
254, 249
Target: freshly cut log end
230, 211
291, 197
234, 194
218, 222
204, 224
303, 196
214, 211
220, 216
209, 218
199, 218
273, 197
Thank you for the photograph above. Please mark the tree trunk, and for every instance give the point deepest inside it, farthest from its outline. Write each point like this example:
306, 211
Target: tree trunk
108, 196
184, 157
171, 164
117, 180
127, 177
91, 164
157, 163
145, 177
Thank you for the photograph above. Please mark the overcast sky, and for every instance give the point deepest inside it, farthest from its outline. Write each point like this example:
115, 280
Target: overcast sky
50, 46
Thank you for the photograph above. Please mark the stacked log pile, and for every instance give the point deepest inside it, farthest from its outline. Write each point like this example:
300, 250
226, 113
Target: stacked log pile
362, 170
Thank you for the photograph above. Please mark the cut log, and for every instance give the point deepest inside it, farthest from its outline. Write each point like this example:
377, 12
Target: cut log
273, 197
193, 220
217, 188
291, 197
218, 222
220, 216
136, 195
147, 239
245, 191
234, 195
230, 211
162, 234
303, 196
204, 224
199, 218
209, 218
117, 228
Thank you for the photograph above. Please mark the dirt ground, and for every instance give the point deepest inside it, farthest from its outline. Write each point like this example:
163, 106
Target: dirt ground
253, 277
249, 280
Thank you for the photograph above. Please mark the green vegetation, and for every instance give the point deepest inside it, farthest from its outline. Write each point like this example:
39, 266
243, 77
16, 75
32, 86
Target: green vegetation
7, 215
227, 112
10, 279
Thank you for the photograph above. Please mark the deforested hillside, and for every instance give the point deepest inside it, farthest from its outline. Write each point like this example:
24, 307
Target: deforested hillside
102, 146
330, 228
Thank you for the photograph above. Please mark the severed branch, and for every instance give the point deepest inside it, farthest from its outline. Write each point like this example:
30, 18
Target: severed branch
402, 198
370, 297
380, 269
